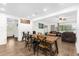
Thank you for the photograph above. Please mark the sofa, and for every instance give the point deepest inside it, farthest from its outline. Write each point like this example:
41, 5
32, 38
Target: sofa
68, 37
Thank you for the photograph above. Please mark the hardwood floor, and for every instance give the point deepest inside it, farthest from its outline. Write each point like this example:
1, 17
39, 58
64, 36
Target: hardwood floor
16, 48
66, 49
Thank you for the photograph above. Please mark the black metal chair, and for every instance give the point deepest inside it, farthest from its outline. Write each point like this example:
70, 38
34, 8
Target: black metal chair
28, 41
24, 36
35, 44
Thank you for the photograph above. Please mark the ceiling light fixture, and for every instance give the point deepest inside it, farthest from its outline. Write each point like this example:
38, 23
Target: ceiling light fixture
33, 15
62, 18
45, 9
28, 17
2, 9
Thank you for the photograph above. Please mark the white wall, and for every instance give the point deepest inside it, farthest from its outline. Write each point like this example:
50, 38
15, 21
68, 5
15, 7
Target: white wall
77, 32
53, 21
23, 27
3, 29
36, 26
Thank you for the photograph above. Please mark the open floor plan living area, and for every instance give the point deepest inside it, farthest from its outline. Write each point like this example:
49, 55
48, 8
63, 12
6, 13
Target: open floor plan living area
39, 29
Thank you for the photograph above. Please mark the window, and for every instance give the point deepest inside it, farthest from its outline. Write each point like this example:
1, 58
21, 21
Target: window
41, 26
65, 28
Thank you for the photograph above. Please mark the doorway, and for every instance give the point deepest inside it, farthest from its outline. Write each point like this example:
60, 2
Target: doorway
12, 27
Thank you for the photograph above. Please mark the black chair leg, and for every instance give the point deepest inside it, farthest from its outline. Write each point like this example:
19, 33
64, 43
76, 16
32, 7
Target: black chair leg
37, 50
34, 49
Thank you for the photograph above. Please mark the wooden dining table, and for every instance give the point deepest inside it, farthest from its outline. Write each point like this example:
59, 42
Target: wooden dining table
50, 39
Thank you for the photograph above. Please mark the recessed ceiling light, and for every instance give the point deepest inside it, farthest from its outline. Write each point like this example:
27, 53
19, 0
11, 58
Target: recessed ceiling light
33, 15
2, 9
45, 9
4, 4
29, 17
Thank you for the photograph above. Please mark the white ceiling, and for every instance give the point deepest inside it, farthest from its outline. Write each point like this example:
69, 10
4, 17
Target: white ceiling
33, 10
70, 18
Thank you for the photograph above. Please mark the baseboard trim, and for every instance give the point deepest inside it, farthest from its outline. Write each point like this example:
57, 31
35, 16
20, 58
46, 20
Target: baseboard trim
3, 43
9, 36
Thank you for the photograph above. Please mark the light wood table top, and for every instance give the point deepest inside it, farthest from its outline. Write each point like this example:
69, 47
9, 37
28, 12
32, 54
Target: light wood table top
50, 39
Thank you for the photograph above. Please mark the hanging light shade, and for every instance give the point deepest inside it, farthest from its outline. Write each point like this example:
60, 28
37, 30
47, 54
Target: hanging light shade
60, 18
